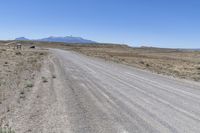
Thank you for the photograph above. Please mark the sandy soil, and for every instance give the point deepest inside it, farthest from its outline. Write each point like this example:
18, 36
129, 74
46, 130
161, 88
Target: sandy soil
18, 70
31, 91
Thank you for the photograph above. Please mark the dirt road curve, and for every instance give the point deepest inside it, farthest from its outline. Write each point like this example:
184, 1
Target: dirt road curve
103, 97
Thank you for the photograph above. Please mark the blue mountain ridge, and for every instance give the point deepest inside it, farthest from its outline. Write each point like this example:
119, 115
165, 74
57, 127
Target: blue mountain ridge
67, 39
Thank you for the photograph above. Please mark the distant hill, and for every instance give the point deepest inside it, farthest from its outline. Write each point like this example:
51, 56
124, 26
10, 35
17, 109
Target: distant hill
67, 39
22, 39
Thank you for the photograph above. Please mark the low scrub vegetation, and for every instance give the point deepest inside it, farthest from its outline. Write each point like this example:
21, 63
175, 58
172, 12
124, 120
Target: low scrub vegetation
44, 79
174, 62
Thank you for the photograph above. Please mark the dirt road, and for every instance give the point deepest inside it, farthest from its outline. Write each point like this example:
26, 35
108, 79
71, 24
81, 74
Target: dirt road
104, 97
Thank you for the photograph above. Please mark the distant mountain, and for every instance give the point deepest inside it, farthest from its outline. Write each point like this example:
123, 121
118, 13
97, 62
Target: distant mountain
22, 39
67, 39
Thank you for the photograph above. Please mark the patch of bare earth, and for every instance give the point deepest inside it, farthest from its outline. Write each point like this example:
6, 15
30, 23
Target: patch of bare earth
18, 70
32, 93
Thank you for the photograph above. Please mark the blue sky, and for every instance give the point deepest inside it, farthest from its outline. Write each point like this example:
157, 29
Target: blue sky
159, 23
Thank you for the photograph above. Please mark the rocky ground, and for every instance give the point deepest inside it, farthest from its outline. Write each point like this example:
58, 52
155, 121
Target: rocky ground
18, 73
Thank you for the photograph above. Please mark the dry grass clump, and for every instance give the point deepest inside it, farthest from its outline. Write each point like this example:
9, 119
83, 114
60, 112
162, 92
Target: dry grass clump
53, 76
29, 84
44, 80
18, 53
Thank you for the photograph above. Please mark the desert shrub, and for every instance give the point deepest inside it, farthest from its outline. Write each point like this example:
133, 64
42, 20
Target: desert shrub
141, 62
53, 76
3, 50
41, 53
18, 53
29, 85
44, 79
147, 65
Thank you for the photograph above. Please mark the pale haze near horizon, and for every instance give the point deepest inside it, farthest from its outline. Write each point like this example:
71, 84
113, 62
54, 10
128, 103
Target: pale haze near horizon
172, 23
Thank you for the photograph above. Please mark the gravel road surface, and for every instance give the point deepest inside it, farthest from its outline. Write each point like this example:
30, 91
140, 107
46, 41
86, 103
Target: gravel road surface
105, 97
